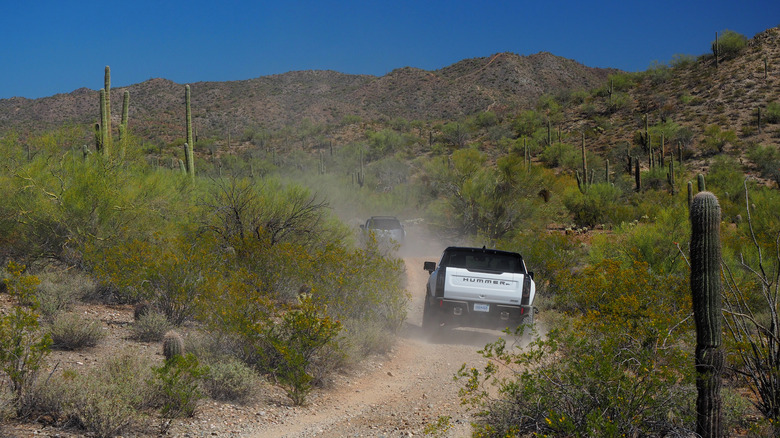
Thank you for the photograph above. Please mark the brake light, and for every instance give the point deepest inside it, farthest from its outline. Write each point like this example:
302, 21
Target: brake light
440, 278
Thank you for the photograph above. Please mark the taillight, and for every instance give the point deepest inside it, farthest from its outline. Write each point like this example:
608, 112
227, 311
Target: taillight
526, 289
440, 278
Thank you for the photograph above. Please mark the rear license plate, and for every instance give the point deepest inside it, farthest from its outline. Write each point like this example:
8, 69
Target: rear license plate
482, 307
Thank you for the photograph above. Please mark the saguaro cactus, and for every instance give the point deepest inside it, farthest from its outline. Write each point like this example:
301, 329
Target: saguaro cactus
705, 294
583, 182
716, 49
104, 132
690, 194
107, 143
190, 144
123, 124
637, 177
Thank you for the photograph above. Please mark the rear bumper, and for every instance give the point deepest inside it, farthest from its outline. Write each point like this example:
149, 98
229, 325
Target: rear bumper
465, 311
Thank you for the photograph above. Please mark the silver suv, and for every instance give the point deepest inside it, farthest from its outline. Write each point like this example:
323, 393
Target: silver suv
388, 227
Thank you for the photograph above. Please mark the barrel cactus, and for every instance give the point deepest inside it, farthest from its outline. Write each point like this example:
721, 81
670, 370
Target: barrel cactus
173, 345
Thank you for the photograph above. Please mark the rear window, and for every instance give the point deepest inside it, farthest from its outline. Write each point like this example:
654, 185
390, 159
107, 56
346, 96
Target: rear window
384, 224
478, 261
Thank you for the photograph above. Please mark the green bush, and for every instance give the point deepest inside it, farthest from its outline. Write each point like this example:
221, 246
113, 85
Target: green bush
176, 386
150, 327
23, 348
767, 158
621, 368
652, 242
109, 400
561, 155
622, 81
229, 379
569, 386
729, 44
682, 61
292, 345
71, 331
59, 291
167, 272
601, 204
772, 112
716, 139
527, 123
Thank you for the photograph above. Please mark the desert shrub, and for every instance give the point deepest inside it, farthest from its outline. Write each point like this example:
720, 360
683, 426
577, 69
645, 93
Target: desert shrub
367, 337
109, 400
455, 135
572, 386
619, 101
292, 345
622, 81
166, 271
497, 133
561, 155
658, 73
68, 202
767, 158
176, 386
384, 143
49, 397
71, 331
654, 242
472, 198
229, 379
23, 348
150, 327
619, 369
750, 298
59, 291
601, 204
387, 173
682, 61
729, 44
485, 119
547, 255
772, 112
716, 139
527, 123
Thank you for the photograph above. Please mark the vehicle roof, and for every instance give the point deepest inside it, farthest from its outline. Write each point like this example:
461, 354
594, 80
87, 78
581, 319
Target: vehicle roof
481, 250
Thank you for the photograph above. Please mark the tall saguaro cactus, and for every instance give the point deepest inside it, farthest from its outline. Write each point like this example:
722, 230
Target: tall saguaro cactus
583, 182
103, 146
123, 125
188, 146
705, 294
107, 143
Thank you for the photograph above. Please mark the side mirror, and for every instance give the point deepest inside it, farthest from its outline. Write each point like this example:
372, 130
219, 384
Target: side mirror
362, 226
429, 266
531, 274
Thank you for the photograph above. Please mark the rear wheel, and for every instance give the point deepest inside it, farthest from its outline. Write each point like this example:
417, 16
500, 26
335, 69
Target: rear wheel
430, 319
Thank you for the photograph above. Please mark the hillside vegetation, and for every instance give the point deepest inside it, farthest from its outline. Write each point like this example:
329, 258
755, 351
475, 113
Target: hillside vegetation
243, 245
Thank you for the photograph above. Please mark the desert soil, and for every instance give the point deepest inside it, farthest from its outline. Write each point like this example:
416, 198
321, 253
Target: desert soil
394, 395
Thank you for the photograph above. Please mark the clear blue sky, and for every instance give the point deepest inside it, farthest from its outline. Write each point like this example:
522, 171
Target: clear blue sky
49, 47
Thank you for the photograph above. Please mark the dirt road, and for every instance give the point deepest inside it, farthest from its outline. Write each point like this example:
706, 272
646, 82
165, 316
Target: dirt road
400, 396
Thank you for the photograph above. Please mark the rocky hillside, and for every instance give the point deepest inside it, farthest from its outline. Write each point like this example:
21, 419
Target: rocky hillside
707, 109
504, 81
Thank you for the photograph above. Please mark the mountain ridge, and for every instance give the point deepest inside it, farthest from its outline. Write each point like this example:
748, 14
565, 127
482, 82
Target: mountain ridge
501, 82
